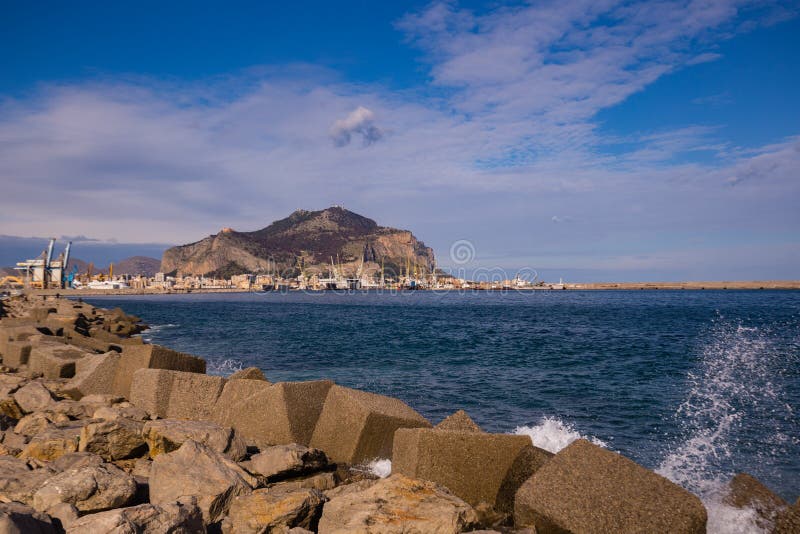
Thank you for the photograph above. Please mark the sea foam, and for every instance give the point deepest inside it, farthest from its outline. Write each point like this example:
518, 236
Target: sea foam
552, 434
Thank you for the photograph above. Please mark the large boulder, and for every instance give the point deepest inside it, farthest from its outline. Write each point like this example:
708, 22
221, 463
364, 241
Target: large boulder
284, 461
94, 375
176, 394
293, 409
745, 491
135, 357
357, 426
117, 439
90, 489
167, 435
274, 510
34, 397
18, 482
585, 488
52, 443
178, 517
17, 518
476, 466
198, 471
397, 505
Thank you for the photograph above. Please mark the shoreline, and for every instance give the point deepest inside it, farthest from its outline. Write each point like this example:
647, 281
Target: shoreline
784, 285
78, 381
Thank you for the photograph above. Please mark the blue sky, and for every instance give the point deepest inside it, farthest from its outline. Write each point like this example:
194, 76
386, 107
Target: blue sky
590, 140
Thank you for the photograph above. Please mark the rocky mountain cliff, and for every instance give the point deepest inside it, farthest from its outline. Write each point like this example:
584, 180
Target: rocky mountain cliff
303, 242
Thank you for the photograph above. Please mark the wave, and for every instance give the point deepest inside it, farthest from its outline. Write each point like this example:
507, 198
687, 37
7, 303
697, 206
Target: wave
735, 388
224, 367
552, 434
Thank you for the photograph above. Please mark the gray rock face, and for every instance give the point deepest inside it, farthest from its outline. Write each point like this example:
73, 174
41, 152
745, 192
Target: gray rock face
397, 505
117, 439
17, 518
173, 518
196, 470
282, 461
272, 509
167, 435
34, 397
18, 482
90, 489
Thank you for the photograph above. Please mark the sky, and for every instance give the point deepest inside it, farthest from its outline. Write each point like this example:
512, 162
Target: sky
589, 140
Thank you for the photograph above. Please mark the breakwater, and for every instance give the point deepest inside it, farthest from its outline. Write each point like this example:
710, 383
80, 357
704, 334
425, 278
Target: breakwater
251, 416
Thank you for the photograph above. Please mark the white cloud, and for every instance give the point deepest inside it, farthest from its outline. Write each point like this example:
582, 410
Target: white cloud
360, 121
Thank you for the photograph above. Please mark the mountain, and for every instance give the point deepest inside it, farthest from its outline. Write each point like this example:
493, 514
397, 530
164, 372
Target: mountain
305, 241
138, 265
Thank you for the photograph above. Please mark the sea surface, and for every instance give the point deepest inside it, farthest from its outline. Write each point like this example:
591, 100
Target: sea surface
697, 385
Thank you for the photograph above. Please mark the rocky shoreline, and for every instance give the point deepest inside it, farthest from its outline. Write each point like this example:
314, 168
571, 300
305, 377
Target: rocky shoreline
101, 432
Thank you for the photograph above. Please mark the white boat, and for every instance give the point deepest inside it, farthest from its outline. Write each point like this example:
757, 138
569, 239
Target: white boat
106, 284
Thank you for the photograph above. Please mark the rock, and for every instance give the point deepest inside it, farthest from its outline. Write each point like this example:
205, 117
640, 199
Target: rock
167, 435
787, 520
94, 375
294, 408
14, 442
34, 397
251, 373
459, 422
10, 408
117, 439
176, 394
17, 518
32, 424
321, 481
357, 426
151, 357
17, 481
475, 466
283, 461
268, 510
397, 505
70, 408
196, 470
745, 491
90, 489
585, 488
75, 460
51, 444
353, 487
179, 518
121, 411
63, 514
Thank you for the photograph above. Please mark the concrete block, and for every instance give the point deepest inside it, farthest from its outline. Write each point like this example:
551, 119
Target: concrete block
14, 333
54, 360
135, 357
272, 414
176, 394
94, 375
476, 466
585, 488
16, 354
357, 426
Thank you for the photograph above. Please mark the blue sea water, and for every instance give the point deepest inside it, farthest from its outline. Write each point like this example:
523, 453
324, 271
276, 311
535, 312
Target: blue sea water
695, 384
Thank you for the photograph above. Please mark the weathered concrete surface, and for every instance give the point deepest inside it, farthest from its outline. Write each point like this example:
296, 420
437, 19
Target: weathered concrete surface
355, 426
745, 491
475, 466
250, 373
16, 354
460, 422
54, 360
151, 357
397, 505
196, 470
176, 394
270, 510
585, 488
272, 414
167, 435
94, 375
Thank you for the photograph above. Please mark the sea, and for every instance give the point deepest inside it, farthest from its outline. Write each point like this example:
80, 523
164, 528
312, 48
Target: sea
696, 385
